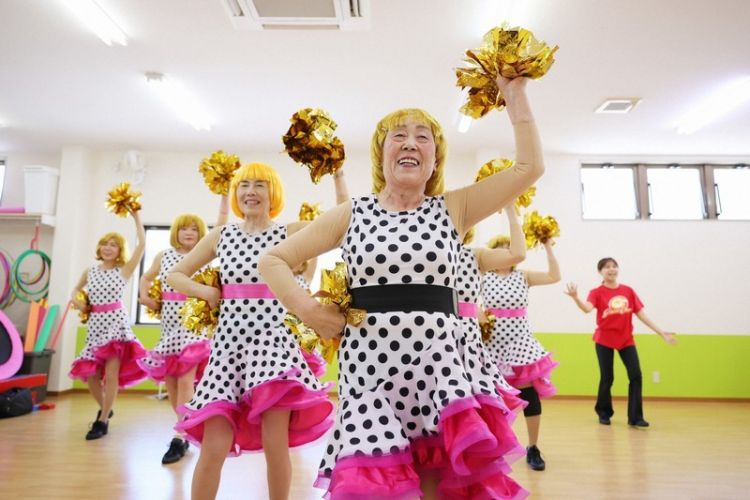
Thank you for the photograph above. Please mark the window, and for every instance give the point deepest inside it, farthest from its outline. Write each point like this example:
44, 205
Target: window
157, 239
665, 192
2, 178
732, 191
608, 192
675, 192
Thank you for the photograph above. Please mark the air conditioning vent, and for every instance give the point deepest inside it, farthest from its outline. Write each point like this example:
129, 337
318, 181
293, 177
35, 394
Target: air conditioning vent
621, 105
347, 15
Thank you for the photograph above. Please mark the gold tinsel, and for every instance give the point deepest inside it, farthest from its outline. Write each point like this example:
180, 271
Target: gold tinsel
196, 315
487, 325
510, 52
84, 297
310, 141
121, 200
538, 230
498, 165
218, 170
498, 241
309, 211
154, 292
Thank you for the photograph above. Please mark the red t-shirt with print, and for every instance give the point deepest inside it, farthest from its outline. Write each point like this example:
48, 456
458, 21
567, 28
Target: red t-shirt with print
614, 315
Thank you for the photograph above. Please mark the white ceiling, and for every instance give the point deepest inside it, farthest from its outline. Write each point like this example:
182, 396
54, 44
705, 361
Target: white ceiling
60, 85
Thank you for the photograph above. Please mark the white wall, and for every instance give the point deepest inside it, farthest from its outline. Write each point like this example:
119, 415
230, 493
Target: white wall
690, 274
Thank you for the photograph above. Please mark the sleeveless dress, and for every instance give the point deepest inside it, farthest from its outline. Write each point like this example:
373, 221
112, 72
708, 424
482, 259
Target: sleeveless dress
405, 401
255, 363
108, 333
512, 343
178, 350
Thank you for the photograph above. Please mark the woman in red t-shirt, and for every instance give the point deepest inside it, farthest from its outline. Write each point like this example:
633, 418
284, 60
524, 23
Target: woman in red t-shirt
615, 304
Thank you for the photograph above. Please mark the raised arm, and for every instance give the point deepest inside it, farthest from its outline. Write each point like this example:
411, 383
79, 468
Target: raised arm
572, 290
342, 192
145, 282
502, 258
669, 337
471, 204
140, 247
223, 210
77, 304
534, 278
201, 254
323, 234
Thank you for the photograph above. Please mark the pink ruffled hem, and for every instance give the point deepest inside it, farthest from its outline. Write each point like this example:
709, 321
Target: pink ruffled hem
177, 365
311, 414
536, 374
129, 352
513, 402
472, 454
316, 362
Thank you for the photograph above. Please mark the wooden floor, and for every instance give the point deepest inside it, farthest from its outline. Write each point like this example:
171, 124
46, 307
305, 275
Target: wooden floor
692, 451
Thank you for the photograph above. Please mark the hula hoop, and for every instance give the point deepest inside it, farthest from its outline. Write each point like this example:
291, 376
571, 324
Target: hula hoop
19, 285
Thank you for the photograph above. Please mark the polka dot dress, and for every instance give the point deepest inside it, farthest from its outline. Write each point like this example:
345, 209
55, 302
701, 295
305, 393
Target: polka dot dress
255, 364
314, 360
178, 350
108, 333
512, 342
481, 369
301, 281
405, 401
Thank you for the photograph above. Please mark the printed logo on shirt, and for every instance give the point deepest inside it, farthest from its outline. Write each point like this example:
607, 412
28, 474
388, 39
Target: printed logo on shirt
617, 305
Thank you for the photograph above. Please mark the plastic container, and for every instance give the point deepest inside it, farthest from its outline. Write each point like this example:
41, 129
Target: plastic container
40, 189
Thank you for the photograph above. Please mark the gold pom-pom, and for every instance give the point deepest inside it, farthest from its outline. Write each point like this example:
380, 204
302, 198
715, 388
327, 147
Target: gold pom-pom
469, 237
154, 292
310, 141
196, 314
510, 52
309, 211
487, 325
121, 201
84, 297
498, 165
538, 230
218, 170
334, 289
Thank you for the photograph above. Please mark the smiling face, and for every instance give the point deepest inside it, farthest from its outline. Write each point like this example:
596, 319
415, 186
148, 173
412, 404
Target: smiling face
188, 236
409, 156
610, 271
253, 197
109, 251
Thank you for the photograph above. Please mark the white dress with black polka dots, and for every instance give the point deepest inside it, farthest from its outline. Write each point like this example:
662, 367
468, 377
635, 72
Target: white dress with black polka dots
314, 360
481, 369
255, 363
108, 333
178, 350
405, 401
512, 343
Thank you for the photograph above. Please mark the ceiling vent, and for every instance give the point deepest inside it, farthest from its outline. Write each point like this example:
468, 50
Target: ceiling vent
620, 105
345, 15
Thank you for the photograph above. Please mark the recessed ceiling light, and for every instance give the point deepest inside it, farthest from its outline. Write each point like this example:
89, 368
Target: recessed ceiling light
176, 96
716, 105
620, 105
97, 20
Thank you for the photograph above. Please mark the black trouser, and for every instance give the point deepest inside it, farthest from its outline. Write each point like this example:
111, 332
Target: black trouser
629, 356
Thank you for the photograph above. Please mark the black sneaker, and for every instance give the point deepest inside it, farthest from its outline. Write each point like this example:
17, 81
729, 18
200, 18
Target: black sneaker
175, 452
534, 458
185, 445
98, 429
638, 423
604, 421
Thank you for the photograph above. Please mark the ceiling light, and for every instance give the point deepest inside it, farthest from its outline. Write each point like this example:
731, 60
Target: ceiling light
178, 97
464, 123
617, 106
97, 20
716, 105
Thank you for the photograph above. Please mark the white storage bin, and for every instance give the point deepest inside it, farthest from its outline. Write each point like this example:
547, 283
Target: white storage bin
40, 189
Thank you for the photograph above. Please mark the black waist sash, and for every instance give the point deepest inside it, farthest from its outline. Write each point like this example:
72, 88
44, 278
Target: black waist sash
406, 298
